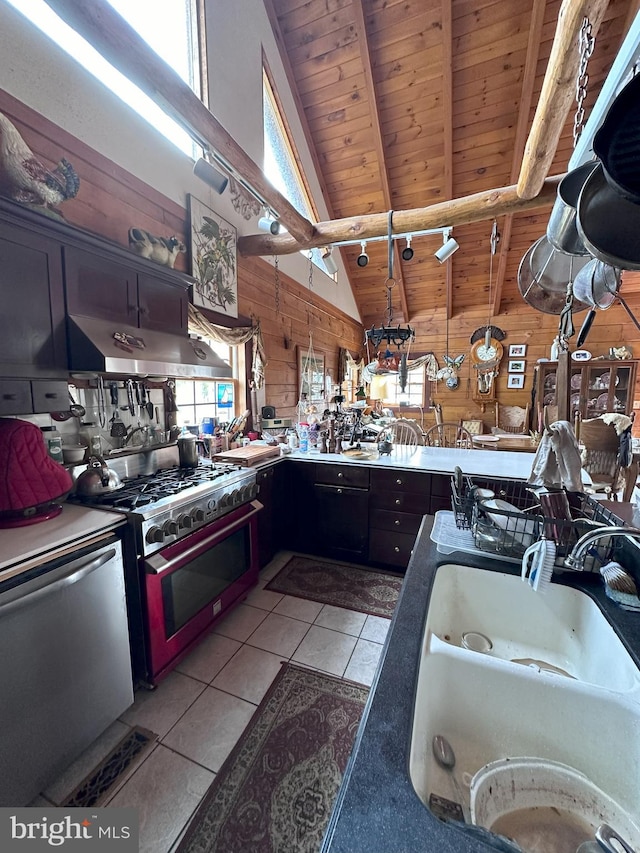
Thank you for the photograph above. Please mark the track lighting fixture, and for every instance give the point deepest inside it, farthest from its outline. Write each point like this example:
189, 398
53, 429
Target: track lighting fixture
329, 262
210, 175
449, 246
363, 258
268, 223
407, 252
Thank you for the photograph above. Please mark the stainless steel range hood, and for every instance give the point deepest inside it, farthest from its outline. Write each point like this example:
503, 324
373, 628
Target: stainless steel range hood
104, 347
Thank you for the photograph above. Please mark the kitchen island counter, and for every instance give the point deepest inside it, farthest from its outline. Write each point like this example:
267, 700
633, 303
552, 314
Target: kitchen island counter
377, 810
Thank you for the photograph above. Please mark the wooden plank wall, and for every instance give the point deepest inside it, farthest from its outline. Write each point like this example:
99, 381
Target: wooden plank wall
111, 200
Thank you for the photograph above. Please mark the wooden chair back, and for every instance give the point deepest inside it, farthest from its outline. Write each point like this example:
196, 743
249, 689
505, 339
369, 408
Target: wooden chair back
512, 418
600, 445
448, 435
406, 432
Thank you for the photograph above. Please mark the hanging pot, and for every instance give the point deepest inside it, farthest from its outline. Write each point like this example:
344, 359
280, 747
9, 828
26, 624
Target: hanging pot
543, 276
617, 142
596, 284
608, 223
562, 232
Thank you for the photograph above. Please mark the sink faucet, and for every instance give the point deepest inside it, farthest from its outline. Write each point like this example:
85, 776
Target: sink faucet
576, 558
129, 436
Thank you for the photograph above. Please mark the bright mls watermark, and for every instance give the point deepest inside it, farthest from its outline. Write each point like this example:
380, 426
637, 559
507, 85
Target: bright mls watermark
82, 830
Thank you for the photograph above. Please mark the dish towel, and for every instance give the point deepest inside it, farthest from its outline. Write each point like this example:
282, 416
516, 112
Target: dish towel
557, 460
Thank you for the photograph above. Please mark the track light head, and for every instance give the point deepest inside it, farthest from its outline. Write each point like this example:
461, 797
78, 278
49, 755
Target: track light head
268, 223
329, 262
449, 246
210, 175
363, 258
407, 252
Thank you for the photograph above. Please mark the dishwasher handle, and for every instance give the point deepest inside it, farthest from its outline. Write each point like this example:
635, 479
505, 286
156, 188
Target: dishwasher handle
77, 573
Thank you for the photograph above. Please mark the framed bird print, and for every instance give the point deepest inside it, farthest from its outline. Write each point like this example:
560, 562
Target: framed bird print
213, 260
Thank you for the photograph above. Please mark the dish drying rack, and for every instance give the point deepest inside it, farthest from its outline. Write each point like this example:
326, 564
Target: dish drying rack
508, 533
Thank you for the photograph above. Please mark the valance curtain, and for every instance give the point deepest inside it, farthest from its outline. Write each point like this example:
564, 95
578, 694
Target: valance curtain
370, 370
199, 325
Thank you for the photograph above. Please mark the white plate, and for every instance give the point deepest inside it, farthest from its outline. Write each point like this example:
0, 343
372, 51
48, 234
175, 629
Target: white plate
581, 355
525, 529
483, 438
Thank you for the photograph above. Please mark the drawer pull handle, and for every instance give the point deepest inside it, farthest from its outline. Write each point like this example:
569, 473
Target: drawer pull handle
397, 549
399, 481
51, 395
397, 521
9, 396
340, 475
339, 491
398, 501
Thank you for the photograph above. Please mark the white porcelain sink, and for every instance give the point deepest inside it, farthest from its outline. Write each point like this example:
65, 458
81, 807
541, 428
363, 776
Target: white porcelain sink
561, 627
489, 707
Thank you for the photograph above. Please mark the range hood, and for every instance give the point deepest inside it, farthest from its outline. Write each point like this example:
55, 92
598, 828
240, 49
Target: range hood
100, 346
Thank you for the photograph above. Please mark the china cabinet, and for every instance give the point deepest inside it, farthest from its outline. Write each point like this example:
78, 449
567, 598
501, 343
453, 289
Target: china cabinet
597, 386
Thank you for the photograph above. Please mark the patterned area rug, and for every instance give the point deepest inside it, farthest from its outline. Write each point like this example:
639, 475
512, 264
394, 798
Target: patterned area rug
340, 584
275, 792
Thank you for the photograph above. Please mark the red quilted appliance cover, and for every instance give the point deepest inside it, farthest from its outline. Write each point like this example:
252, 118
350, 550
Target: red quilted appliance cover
28, 475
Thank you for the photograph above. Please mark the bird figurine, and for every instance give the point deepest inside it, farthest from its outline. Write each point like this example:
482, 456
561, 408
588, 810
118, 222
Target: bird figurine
450, 372
162, 250
25, 179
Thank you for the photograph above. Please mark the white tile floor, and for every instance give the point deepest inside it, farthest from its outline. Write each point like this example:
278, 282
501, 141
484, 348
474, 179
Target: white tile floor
200, 710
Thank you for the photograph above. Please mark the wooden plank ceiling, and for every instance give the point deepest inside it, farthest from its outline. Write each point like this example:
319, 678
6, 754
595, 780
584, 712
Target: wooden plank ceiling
412, 102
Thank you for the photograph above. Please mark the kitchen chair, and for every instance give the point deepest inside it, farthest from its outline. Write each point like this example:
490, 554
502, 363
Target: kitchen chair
407, 432
512, 418
599, 452
448, 435
473, 427
437, 410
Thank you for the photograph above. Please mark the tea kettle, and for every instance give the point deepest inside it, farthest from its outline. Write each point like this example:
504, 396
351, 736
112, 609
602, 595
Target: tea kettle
97, 479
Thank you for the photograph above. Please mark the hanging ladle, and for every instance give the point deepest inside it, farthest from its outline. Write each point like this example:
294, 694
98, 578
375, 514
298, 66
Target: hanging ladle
76, 409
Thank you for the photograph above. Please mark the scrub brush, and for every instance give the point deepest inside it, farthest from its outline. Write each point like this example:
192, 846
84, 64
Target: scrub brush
543, 557
618, 578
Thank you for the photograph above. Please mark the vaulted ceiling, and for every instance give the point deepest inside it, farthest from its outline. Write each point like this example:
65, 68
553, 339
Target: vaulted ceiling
409, 103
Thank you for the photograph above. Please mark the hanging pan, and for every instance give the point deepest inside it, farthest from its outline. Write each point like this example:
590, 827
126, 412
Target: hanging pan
543, 276
617, 142
562, 232
608, 223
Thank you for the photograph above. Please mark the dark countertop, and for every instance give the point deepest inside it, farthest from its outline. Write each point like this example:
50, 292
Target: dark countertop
377, 809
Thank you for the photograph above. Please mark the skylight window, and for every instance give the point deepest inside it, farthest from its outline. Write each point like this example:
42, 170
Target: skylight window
168, 26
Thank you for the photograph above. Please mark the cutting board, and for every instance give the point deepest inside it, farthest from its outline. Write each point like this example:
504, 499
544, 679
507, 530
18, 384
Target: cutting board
248, 455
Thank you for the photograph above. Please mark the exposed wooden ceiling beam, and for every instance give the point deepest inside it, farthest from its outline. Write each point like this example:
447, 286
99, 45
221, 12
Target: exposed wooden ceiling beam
447, 117
120, 45
526, 100
444, 214
558, 92
367, 66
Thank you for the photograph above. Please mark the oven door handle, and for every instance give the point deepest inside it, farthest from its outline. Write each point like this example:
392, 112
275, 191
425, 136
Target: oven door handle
167, 565
77, 573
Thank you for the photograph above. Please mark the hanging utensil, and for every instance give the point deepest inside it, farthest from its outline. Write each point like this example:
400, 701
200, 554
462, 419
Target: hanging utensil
76, 410
130, 403
562, 231
543, 275
586, 327
102, 412
136, 386
118, 429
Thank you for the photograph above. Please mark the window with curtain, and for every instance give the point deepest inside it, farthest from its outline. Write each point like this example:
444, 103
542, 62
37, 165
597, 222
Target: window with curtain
207, 398
386, 387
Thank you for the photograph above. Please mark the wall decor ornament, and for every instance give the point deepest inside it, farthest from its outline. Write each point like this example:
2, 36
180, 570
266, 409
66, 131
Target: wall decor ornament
213, 260
515, 380
516, 367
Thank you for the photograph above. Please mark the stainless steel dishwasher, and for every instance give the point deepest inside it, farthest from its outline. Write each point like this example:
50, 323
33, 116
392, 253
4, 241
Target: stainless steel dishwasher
65, 670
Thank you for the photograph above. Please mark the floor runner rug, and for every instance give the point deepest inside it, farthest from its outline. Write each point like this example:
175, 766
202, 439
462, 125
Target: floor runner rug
340, 584
275, 792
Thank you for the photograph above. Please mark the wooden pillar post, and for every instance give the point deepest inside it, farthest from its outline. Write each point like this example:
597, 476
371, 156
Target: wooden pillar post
563, 385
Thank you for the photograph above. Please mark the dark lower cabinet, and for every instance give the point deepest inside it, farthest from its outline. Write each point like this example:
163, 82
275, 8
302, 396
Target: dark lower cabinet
397, 504
271, 482
341, 529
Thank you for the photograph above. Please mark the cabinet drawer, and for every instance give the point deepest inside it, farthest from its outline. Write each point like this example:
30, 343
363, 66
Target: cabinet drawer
400, 501
401, 481
342, 475
50, 396
392, 549
400, 522
15, 397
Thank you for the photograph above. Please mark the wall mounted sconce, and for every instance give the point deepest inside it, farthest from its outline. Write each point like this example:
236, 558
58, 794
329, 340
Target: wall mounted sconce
268, 223
449, 246
407, 252
203, 169
363, 258
328, 260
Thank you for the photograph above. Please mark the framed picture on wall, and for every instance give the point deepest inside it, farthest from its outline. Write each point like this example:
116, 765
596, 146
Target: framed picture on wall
515, 380
213, 260
516, 367
517, 350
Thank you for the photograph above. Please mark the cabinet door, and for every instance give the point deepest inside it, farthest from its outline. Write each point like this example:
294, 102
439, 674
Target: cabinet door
101, 288
32, 326
266, 546
609, 387
15, 397
163, 305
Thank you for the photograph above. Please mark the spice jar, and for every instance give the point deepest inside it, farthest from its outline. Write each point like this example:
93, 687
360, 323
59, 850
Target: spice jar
90, 435
53, 440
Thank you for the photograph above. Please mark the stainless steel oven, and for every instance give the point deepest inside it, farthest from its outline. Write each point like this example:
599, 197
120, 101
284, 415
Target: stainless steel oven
191, 582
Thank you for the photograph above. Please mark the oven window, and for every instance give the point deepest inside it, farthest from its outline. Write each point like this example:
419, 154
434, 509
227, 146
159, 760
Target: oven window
200, 581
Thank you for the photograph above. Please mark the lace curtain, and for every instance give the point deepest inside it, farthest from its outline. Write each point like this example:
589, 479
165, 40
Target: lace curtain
199, 325
370, 370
